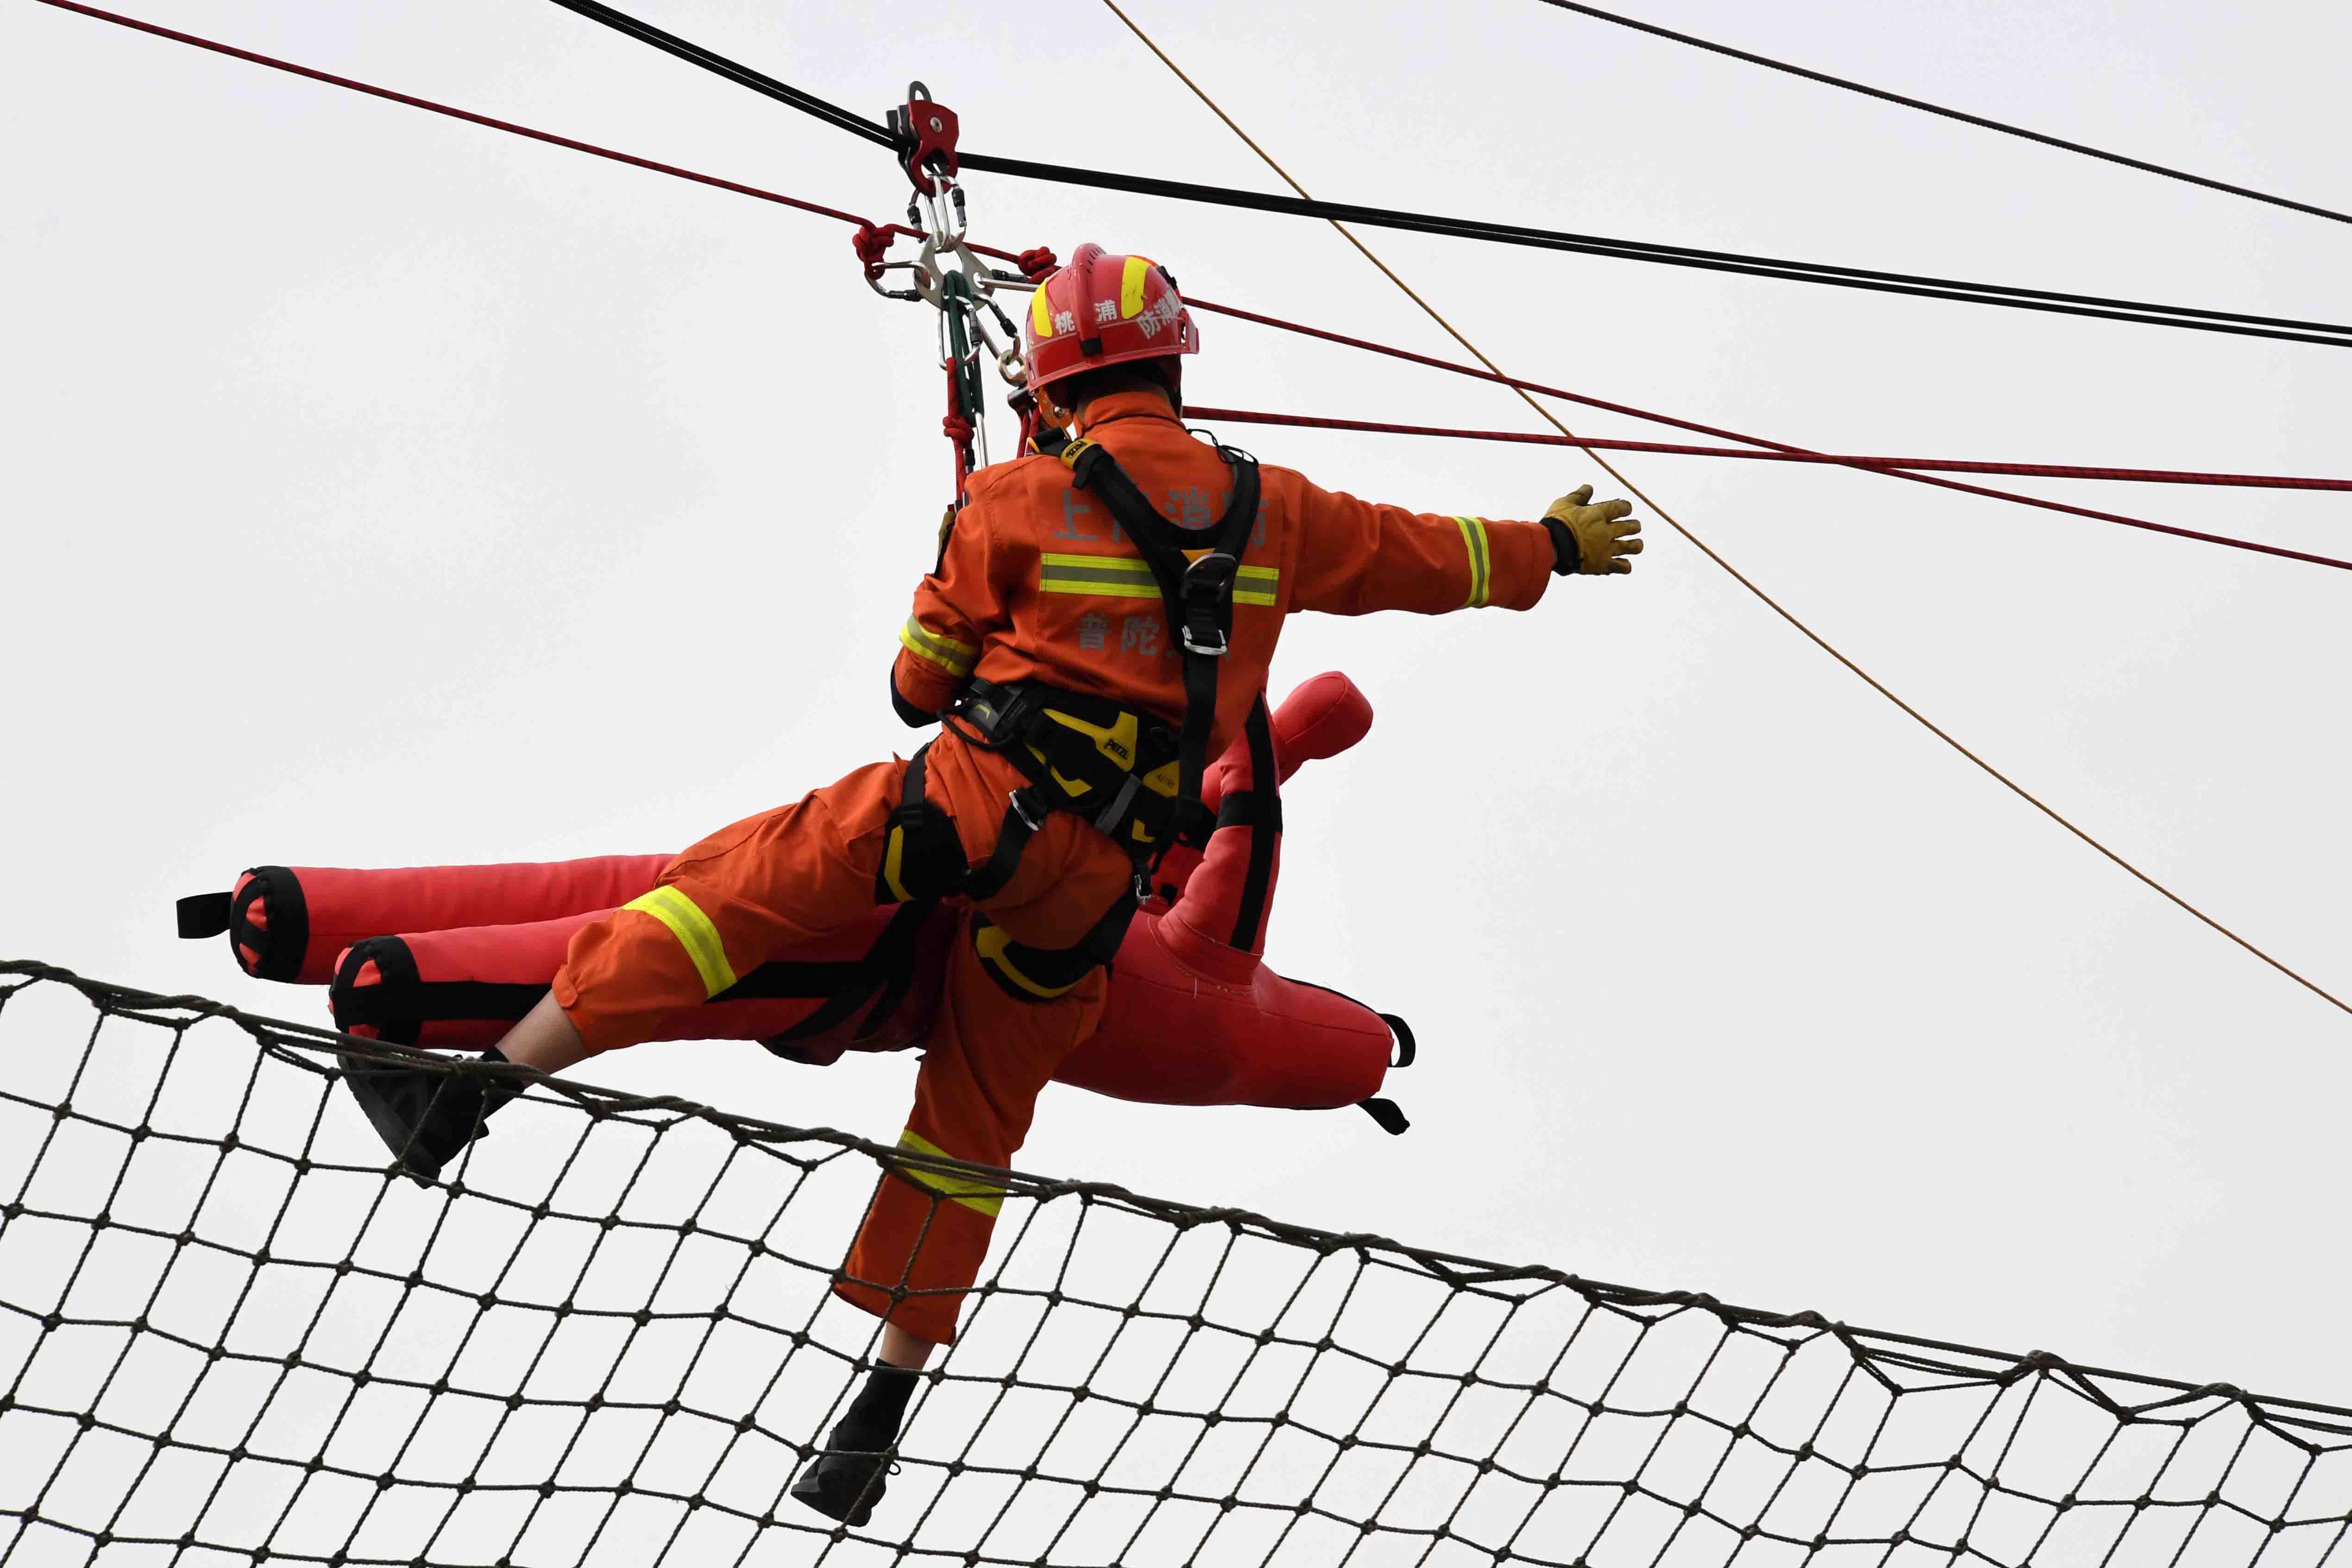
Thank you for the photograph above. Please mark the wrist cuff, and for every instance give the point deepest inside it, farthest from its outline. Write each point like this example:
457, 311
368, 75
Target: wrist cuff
1565, 556
913, 717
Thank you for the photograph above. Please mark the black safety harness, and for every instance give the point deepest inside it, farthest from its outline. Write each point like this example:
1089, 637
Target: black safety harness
1133, 776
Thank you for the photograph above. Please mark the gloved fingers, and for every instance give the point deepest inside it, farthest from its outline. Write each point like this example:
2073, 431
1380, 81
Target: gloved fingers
1587, 516
1566, 507
1612, 545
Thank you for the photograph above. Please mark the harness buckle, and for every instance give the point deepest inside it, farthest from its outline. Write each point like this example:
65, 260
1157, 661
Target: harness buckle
1031, 813
1217, 649
1206, 584
999, 715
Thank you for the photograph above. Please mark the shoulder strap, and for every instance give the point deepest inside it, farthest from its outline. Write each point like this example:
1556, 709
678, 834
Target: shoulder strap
1196, 590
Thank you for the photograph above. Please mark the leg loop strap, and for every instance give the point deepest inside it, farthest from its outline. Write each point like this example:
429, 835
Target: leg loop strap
1025, 814
922, 858
1046, 974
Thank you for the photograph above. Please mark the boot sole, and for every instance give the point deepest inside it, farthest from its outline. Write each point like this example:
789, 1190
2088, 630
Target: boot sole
809, 1492
398, 1133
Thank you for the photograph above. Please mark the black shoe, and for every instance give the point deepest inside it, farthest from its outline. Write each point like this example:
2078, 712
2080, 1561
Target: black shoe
426, 1117
842, 1484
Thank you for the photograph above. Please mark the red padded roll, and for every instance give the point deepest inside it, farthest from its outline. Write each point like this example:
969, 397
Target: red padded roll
292, 922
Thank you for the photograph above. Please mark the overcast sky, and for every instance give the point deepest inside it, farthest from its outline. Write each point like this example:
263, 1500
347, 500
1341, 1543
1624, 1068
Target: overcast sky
381, 490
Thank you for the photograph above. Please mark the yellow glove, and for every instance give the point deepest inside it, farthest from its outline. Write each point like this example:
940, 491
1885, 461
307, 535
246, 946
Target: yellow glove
1590, 539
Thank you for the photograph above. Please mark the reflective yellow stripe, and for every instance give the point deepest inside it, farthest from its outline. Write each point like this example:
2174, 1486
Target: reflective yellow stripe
1103, 590
1112, 576
983, 1198
1125, 565
1255, 585
1130, 287
1125, 577
991, 942
1473, 539
949, 655
1041, 314
694, 932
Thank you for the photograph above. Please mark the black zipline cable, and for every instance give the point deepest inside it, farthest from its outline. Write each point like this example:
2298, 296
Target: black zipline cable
1902, 468
743, 75
1899, 467
2145, 312
1961, 115
2140, 311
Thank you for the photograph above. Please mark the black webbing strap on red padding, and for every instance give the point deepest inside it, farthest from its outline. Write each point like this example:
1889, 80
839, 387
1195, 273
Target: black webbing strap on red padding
201, 915
1387, 1112
396, 1003
1264, 810
270, 923
1406, 1047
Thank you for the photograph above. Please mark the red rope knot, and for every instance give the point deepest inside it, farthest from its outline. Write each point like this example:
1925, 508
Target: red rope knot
1038, 265
872, 245
957, 428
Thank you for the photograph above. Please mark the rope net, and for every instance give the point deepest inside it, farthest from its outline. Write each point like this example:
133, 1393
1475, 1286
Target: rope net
228, 1336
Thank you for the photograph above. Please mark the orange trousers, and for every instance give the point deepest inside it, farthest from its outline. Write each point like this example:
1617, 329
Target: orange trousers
790, 875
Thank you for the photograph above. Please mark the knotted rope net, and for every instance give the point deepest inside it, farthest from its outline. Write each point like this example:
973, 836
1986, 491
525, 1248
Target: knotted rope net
228, 1334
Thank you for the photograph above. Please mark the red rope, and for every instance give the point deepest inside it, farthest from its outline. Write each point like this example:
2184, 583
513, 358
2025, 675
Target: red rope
1036, 262
466, 115
1781, 449
1940, 465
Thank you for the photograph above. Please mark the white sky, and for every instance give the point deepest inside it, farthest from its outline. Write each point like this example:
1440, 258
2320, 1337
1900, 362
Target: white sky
381, 490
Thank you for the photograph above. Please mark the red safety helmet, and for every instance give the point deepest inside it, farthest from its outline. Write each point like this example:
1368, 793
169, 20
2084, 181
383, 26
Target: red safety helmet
1103, 309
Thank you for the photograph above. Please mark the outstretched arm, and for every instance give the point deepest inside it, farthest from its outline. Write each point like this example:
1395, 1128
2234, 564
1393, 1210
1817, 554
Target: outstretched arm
1356, 556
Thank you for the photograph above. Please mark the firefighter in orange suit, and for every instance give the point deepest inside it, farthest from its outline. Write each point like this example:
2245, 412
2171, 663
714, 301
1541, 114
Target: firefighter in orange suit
1098, 625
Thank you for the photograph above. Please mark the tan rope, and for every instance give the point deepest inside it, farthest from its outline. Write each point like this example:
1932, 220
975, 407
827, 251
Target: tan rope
1708, 550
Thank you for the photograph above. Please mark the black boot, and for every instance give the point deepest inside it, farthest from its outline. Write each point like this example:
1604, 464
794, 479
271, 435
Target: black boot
426, 1117
843, 1484
847, 1477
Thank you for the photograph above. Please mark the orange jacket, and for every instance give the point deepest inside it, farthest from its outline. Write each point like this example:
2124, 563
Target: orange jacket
1017, 595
